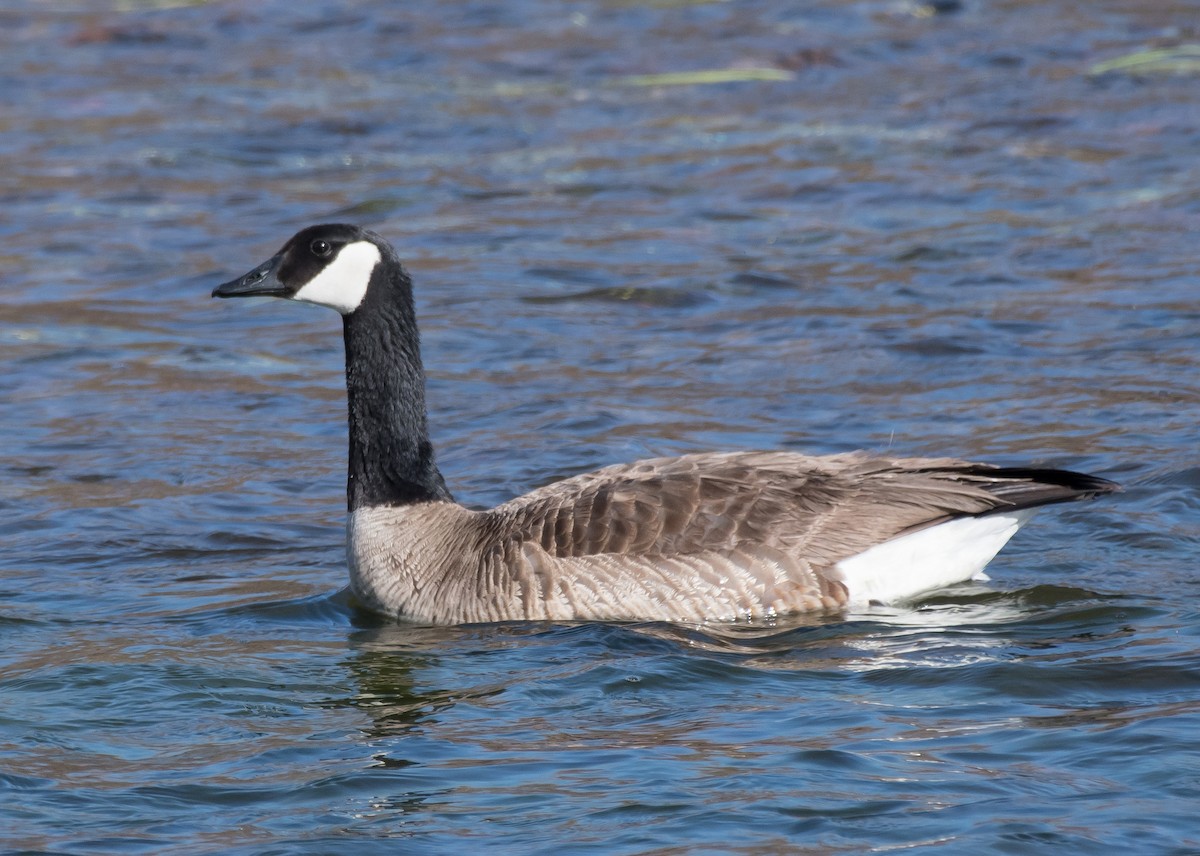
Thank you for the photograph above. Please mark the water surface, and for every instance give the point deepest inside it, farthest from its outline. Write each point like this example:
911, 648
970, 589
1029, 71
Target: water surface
931, 229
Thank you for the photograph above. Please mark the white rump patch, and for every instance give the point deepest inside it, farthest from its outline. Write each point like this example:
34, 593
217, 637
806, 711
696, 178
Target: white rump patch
932, 558
342, 284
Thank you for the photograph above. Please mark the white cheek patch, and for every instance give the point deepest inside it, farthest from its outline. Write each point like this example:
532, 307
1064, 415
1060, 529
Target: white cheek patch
342, 285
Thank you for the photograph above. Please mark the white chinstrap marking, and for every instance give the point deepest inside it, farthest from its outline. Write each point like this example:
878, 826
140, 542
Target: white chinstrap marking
342, 284
929, 559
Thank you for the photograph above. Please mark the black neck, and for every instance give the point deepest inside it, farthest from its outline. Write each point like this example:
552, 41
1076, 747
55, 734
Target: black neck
391, 458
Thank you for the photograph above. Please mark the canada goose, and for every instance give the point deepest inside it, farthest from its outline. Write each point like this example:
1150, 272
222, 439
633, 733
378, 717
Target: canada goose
722, 536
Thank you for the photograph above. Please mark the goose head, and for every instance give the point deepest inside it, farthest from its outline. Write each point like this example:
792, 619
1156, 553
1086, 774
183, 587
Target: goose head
329, 265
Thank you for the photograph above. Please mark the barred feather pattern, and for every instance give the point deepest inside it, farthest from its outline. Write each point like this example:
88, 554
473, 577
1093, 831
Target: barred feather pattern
729, 536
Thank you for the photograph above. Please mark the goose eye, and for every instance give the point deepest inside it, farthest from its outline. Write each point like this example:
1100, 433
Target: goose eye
321, 248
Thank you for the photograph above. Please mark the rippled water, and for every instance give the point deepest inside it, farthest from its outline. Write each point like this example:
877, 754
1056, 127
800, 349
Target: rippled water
939, 228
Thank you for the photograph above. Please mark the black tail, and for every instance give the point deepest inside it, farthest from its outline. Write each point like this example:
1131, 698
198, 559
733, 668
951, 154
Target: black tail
1028, 487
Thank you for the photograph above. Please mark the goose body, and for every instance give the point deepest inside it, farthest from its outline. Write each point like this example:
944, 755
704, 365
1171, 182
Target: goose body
718, 536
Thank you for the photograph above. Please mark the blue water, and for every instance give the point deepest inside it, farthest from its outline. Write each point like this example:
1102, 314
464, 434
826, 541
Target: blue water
931, 229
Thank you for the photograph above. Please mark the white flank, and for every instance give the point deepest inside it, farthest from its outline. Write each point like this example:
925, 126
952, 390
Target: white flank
342, 284
933, 558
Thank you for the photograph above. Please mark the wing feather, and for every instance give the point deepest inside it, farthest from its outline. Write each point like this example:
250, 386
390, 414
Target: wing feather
733, 534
